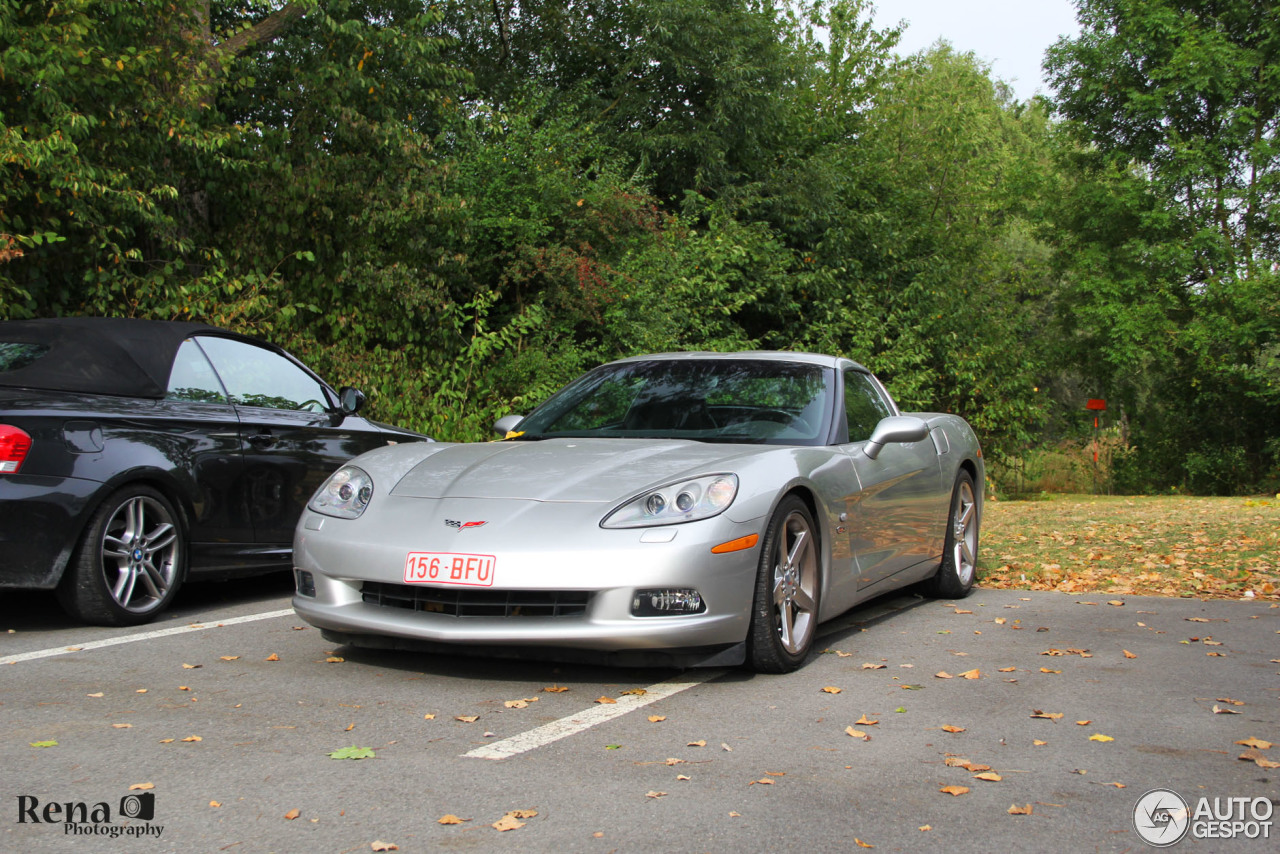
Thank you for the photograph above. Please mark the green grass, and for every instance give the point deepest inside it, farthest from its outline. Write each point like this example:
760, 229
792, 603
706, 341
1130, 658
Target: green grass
1155, 545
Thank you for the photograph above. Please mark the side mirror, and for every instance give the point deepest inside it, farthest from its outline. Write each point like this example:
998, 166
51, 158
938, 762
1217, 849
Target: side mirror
507, 424
895, 428
350, 400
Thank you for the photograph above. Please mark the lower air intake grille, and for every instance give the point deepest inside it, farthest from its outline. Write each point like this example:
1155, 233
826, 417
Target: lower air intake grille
468, 602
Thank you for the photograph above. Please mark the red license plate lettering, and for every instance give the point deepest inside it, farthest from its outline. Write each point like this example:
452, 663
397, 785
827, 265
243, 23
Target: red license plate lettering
464, 570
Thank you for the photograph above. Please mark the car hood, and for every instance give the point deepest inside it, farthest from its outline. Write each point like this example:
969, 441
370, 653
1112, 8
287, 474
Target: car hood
577, 470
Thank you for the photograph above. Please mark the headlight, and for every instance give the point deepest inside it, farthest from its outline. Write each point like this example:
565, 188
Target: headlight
345, 494
682, 501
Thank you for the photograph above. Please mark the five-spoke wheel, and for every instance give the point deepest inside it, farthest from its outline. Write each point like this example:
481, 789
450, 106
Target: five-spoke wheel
956, 574
784, 616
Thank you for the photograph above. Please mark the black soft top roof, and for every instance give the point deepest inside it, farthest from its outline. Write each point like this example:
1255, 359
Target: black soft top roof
100, 355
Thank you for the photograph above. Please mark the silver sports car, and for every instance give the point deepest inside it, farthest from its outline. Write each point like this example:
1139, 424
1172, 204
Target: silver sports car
683, 508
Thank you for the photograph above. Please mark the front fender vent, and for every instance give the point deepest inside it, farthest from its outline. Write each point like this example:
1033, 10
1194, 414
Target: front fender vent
473, 602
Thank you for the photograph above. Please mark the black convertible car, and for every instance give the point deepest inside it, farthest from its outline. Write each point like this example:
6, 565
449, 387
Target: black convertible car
135, 454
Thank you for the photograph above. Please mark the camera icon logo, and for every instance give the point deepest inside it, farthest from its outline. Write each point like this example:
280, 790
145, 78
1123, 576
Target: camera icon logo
141, 806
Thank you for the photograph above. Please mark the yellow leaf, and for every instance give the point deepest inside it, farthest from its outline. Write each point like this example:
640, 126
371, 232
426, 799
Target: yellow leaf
141, 787
950, 728
193, 738
861, 844
989, 776
334, 659
634, 692
119, 65
1097, 736
292, 814
99, 694
862, 721
451, 819
467, 719
1038, 743
856, 733
605, 700
972, 674
229, 657
556, 689
1017, 810
955, 791
942, 674
1128, 654
214, 804
1083, 723
272, 657
924, 827
657, 719
1255, 742
702, 742
1047, 670
379, 845
831, 689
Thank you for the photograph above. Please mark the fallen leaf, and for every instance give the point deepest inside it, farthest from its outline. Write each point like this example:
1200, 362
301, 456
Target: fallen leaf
166, 741
683, 777
1017, 810
1118, 603
1255, 756
1097, 736
989, 776
507, 822
353, 752
192, 738
379, 845
1007, 669
1049, 716
870, 666
1231, 701
214, 804
467, 719
950, 728
861, 844
122, 726
142, 787
955, 790
1047, 670
972, 674
428, 717
862, 721
657, 719
724, 746
229, 657
451, 819
141, 691
674, 761
635, 692
831, 689
292, 814
1218, 710
856, 733
334, 659
1128, 654
556, 689
1196, 620
1117, 785
702, 742
1255, 742
924, 827
765, 781
1083, 723
942, 674
1038, 743
99, 694
191, 666
516, 704
655, 794
605, 700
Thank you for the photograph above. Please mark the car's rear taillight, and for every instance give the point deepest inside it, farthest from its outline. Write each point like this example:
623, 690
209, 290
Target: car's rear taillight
14, 444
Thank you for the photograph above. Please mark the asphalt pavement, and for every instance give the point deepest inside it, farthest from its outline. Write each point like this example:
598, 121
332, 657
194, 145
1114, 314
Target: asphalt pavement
214, 731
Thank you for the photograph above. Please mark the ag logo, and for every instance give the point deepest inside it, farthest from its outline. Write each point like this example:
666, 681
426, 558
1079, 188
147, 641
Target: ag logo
1161, 817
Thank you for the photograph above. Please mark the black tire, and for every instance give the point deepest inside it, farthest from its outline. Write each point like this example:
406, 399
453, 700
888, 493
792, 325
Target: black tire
959, 567
784, 610
130, 562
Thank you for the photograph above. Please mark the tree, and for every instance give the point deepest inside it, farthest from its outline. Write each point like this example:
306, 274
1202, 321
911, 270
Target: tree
1176, 105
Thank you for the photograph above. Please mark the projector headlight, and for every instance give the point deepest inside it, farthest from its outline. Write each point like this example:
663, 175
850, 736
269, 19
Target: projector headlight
345, 494
681, 501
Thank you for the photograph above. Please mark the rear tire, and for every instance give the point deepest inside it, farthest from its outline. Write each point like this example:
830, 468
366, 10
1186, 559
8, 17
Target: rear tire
959, 568
130, 561
784, 610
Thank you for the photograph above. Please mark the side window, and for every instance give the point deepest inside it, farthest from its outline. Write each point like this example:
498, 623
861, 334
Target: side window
192, 377
257, 377
863, 405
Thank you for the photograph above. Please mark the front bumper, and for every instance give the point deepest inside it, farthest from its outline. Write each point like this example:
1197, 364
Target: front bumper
602, 569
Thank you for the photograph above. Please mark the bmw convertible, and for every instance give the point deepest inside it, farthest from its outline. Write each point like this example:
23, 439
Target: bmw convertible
688, 509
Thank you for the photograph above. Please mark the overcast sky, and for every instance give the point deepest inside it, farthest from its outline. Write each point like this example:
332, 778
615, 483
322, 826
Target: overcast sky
1012, 35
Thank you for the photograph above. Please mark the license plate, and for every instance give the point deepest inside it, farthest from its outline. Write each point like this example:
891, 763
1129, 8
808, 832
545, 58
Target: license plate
465, 570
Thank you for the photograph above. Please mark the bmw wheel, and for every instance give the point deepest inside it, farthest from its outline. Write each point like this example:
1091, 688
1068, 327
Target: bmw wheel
784, 612
130, 562
959, 567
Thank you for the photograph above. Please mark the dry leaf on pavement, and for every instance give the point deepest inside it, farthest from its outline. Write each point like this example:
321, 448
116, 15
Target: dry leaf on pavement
955, 790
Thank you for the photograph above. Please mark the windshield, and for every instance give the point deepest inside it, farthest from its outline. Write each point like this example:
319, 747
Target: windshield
708, 400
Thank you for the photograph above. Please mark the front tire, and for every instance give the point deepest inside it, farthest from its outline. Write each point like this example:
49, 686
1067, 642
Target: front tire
130, 561
784, 611
959, 567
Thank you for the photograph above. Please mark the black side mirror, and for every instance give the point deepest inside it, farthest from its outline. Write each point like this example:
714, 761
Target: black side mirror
350, 399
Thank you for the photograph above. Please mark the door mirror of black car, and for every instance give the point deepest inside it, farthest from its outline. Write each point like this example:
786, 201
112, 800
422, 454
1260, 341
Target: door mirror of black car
507, 424
895, 428
350, 399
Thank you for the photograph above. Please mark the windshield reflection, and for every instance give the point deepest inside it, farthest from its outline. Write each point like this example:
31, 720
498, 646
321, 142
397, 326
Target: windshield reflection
706, 400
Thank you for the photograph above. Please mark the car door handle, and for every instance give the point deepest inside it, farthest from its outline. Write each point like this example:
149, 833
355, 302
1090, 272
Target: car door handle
262, 441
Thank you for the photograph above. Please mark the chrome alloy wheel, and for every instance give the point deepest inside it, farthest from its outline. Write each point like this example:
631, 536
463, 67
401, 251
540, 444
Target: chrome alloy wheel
140, 552
795, 582
964, 532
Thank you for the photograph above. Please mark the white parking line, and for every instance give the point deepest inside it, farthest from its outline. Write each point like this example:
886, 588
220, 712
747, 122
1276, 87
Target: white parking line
588, 718
141, 636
